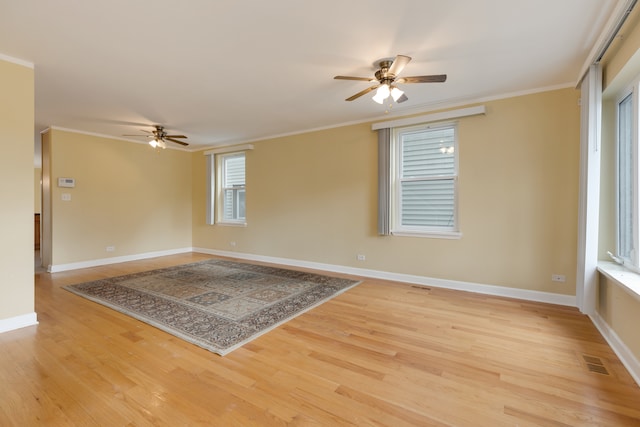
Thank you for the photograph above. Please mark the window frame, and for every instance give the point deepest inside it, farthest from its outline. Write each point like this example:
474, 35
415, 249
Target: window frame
397, 228
221, 188
631, 260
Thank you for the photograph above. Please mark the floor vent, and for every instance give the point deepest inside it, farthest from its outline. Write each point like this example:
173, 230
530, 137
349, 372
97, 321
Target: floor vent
594, 364
599, 369
422, 288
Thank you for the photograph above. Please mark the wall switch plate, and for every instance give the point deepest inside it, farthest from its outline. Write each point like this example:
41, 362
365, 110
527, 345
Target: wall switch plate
66, 182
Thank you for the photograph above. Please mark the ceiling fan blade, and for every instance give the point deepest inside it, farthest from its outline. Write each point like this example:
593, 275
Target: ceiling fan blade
141, 130
436, 78
402, 98
364, 92
362, 79
398, 64
175, 136
176, 141
137, 135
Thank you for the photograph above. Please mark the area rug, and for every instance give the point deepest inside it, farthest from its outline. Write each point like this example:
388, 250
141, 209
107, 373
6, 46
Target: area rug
216, 304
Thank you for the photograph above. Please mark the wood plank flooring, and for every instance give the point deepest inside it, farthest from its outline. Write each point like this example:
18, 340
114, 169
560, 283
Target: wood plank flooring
381, 354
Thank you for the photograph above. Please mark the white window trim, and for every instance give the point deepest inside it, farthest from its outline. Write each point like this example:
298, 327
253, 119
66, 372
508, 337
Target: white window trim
452, 235
229, 149
431, 118
409, 231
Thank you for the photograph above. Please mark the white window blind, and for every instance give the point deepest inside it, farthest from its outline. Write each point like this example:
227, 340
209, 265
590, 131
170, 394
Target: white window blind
426, 184
233, 187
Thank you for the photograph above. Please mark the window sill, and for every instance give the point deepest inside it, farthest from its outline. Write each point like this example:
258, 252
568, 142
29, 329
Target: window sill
627, 279
452, 235
232, 224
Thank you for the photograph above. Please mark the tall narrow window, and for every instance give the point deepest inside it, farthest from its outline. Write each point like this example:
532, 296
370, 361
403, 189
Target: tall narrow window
232, 187
425, 175
627, 188
226, 185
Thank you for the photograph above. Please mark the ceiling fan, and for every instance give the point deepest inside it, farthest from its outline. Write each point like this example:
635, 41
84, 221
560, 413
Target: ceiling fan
386, 78
159, 137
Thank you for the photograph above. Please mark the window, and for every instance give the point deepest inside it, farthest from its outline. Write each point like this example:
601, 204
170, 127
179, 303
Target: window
627, 179
232, 187
425, 178
226, 188
625, 172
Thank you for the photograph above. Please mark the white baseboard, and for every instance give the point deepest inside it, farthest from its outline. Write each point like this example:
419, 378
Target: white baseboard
625, 355
114, 260
524, 294
18, 322
548, 297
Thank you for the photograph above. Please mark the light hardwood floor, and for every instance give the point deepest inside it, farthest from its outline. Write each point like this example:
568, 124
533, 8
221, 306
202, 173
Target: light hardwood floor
381, 354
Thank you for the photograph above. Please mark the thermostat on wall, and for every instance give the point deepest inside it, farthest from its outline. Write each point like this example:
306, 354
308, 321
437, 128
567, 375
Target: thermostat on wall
66, 182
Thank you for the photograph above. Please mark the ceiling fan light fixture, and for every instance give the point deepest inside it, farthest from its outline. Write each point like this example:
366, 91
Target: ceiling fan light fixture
378, 99
159, 138
382, 93
396, 93
386, 76
158, 142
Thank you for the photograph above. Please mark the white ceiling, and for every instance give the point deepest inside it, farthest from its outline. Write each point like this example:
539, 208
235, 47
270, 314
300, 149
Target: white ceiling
228, 71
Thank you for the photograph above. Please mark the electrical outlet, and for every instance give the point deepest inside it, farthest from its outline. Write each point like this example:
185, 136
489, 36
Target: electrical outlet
361, 257
111, 248
558, 278
232, 243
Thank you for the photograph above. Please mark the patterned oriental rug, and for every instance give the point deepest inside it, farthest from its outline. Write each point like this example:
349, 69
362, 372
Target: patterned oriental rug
216, 304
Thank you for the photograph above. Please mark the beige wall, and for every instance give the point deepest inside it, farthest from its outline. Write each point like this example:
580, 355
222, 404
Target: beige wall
127, 195
312, 197
621, 311
16, 190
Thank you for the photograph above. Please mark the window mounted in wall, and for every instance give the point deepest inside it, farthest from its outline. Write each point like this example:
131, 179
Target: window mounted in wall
425, 181
418, 174
226, 185
627, 179
232, 187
